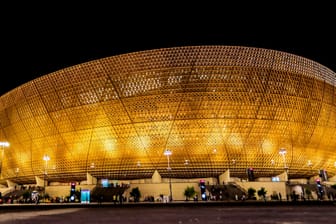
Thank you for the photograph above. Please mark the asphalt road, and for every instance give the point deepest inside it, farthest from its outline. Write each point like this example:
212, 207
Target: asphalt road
179, 215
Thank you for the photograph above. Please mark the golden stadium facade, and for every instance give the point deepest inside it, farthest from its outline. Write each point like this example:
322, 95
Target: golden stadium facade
217, 108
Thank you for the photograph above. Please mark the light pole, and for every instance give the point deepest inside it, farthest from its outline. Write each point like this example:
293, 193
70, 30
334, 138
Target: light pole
283, 152
3, 145
46, 158
168, 153
17, 170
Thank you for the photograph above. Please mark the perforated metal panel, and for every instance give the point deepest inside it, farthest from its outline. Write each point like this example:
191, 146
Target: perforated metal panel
214, 107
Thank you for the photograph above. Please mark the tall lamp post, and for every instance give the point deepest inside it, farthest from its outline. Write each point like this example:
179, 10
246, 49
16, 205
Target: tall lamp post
283, 152
168, 153
3, 145
46, 158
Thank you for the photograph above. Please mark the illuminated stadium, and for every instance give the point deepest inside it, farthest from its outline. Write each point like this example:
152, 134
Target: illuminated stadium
215, 108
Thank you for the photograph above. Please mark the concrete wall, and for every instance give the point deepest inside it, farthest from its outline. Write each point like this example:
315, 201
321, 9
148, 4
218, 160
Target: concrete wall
156, 189
270, 187
148, 188
332, 179
64, 190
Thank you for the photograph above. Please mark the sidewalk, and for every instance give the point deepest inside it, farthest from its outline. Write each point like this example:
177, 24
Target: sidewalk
175, 212
259, 203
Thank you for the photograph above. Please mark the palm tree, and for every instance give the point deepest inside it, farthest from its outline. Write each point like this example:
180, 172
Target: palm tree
26, 195
262, 192
189, 192
308, 193
251, 193
135, 193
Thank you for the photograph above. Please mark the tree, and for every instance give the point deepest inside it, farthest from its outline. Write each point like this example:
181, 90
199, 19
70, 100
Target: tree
78, 194
189, 192
26, 195
308, 193
135, 193
262, 193
251, 193
46, 196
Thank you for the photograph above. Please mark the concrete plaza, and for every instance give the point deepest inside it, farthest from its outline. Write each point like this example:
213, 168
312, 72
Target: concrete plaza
171, 213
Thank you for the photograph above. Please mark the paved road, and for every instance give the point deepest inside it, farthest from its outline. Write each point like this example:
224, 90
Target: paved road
178, 215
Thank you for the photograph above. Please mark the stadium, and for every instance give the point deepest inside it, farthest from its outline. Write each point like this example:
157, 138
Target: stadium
253, 116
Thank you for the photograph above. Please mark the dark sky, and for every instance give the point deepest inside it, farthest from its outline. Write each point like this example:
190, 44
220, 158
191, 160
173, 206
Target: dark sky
41, 41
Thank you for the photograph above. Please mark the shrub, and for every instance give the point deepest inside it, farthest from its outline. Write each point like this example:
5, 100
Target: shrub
189, 192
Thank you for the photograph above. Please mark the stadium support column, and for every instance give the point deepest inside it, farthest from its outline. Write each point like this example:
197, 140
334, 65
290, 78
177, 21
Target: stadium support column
90, 179
224, 177
333, 178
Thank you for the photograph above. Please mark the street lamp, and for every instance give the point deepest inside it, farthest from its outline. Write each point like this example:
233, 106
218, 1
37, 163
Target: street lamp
283, 152
168, 153
3, 145
46, 158
17, 170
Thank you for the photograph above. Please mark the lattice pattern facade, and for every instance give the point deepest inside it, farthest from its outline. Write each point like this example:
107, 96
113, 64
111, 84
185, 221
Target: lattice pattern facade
214, 107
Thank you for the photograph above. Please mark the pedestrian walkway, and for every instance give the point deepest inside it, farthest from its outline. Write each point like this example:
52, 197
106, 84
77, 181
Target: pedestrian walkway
199, 203
171, 213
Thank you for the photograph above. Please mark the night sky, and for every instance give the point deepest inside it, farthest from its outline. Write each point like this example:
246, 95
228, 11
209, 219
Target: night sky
38, 42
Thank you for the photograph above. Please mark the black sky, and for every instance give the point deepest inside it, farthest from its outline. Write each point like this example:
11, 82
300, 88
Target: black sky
38, 42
